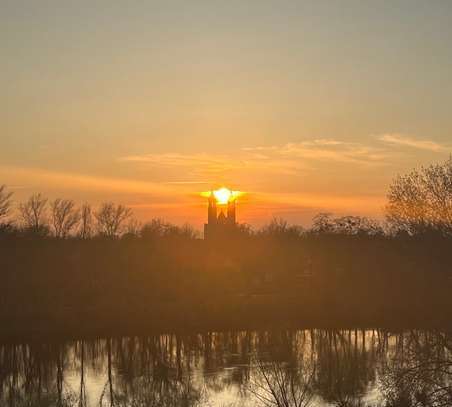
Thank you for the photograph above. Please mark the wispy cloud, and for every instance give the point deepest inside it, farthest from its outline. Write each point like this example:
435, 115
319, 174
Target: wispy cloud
186, 182
60, 180
209, 166
325, 201
177, 159
328, 150
285, 159
407, 141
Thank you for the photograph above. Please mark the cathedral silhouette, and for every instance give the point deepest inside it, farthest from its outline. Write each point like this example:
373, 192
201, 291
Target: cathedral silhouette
218, 223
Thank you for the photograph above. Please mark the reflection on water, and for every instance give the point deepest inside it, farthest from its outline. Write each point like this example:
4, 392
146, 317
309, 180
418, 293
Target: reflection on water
281, 368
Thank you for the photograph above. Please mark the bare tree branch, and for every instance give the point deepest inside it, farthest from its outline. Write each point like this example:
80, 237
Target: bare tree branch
5, 203
86, 222
33, 214
64, 217
111, 219
422, 200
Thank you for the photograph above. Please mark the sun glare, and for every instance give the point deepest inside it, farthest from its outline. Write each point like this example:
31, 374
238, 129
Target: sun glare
222, 195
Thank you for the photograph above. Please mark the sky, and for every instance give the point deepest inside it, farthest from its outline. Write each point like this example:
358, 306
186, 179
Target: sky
306, 106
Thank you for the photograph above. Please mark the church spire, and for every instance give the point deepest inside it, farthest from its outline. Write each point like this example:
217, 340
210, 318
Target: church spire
212, 211
231, 211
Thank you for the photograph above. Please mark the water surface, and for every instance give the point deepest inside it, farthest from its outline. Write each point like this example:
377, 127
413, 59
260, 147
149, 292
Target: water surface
247, 368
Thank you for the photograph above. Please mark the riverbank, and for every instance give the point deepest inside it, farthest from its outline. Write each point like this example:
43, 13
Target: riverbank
240, 313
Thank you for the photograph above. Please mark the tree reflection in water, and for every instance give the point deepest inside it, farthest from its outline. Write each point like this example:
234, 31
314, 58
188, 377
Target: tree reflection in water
419, 371
282, 368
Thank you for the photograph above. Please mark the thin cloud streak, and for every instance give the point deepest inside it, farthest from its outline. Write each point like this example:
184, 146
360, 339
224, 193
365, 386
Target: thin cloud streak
62, 180
286, 159
352, 153
211, 165
187, 182
403, 140
328, 150
323, 201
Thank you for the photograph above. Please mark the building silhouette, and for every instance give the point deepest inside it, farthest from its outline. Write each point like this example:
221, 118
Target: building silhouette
219, 224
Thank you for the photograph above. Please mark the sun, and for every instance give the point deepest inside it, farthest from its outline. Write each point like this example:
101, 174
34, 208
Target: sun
223, 195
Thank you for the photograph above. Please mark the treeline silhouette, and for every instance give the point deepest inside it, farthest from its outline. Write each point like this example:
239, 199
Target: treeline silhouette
70, 269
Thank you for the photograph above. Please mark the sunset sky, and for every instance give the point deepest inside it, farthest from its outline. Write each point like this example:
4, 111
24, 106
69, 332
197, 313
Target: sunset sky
306, 106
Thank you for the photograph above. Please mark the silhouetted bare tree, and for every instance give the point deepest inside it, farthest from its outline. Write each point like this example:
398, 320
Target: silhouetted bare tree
33, 214
322, 223
422, 200
156, 228
86, 222
357, 225
111, 218
64, 216
279, 227
346, 225
5, 203
188, 231
133, 227
244, 229
185, 231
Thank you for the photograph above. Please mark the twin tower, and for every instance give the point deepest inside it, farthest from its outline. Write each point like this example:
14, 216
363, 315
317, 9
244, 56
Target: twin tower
219, 224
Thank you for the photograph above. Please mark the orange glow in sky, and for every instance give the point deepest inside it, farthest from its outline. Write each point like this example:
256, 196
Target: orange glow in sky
162, 100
